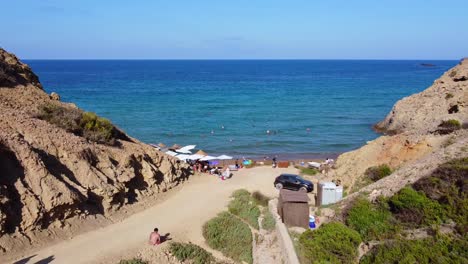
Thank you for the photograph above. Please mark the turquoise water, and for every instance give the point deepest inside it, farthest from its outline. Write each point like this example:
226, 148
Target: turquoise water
308, 107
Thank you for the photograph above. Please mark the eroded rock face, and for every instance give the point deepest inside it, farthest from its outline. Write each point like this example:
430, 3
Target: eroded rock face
48, 175
13, 72
422, 113
413, 128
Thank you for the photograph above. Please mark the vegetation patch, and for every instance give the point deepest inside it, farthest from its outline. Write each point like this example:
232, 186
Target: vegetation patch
448, 126
453, 73
308, 171
191, 252
448, 185
268, 222
415, 209
229, 235
376, 173
372, 174
244, 206
133, 261
433, 250
372, 222
85, 124
448, 95
260, 198
331, 243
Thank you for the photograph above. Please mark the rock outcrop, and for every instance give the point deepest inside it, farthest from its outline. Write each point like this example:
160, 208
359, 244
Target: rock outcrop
413, 132
49, 175
422, 113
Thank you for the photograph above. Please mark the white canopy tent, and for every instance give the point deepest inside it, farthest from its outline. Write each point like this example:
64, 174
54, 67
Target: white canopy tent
186, 149
171, 153
208, 158
195, 157
224, 157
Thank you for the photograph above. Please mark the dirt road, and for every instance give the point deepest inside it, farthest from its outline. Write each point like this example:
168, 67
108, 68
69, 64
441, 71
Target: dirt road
181, 215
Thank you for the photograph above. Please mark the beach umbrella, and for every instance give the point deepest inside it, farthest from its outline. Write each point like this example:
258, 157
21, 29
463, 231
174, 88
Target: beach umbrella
187, 148
224, 157
208, 158
195, 157
201, 152
183, 151
171, 153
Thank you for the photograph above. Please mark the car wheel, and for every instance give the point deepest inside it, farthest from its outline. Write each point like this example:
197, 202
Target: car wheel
303, 189
279, 186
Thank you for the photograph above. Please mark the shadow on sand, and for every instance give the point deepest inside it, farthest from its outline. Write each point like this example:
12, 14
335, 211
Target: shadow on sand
42, 261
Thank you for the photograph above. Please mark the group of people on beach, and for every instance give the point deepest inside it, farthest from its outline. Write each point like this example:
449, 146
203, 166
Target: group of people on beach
205, 167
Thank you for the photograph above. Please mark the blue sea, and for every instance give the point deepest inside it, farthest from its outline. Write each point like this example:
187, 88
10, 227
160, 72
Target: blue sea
251, 108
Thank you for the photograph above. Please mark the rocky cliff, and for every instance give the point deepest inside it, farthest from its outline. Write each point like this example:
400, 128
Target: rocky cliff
49, 173
420, 126
422, 113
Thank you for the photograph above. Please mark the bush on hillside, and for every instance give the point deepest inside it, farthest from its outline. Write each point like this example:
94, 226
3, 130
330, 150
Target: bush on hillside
372, 222
229, 235
378, 172
331, 243
414, 208
432, 250
448, 126
191, 252
85, 124
244, 206
448, 185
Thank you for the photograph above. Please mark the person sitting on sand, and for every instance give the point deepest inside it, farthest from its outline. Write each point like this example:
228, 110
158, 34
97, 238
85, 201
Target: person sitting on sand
227, 172
155, 238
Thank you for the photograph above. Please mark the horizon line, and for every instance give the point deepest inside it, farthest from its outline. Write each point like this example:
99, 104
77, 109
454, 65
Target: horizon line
240, 59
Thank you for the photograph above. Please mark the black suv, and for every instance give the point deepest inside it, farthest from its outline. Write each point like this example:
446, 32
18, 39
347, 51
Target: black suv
293, 182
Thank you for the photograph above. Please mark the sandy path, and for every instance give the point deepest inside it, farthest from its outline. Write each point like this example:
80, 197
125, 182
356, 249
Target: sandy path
181, 215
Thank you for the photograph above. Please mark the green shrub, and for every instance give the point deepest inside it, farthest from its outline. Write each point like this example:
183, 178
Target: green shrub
133, 261
432, 250
240, 193
268, 222
451, 123
448, 95
309, 171
453, 73
331, 243
244, 206
96, 128
448, 185
85, 124
260, 198
229, 235
191, 252
378, 172
412, 207
371, 221
448, 126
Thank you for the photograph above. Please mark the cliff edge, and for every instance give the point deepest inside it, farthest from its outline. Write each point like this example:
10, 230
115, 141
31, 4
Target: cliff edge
420, 126
58, 162
423, 113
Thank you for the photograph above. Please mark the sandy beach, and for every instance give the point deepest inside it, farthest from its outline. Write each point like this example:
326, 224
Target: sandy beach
181, 215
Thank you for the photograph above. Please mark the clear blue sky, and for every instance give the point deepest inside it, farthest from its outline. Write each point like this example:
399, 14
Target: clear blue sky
254, 29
